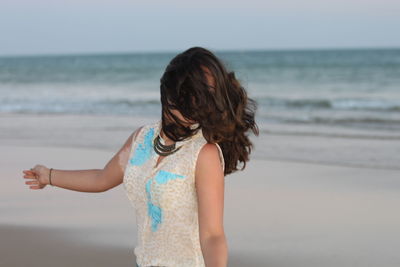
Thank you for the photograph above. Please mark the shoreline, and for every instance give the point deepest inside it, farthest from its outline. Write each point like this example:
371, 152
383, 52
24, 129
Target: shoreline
330, 146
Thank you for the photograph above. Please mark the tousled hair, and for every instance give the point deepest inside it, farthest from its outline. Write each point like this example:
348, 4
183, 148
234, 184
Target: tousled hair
198, 85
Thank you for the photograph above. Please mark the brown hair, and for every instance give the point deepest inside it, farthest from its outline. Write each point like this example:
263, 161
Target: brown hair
198, 85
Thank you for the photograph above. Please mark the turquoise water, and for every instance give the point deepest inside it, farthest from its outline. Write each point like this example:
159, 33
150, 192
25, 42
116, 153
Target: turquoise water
347, 88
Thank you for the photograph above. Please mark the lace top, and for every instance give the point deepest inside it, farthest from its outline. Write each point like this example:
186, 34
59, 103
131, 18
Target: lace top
165, 200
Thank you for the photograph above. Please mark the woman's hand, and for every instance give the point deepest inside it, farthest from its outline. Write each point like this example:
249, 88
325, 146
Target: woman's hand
40, 176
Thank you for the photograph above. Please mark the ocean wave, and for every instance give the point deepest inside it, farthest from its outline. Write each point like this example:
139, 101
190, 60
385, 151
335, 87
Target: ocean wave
296, 132
82, 106
129, 102
328, 120
338, 104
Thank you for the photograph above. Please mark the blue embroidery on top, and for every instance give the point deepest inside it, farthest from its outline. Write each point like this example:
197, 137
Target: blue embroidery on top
155, 213
163, 177
144, 150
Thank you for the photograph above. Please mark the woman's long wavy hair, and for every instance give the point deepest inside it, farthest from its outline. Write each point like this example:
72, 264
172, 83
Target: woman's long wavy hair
198, 85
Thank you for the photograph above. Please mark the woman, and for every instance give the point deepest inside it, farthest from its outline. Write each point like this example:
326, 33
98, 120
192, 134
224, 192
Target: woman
173, 170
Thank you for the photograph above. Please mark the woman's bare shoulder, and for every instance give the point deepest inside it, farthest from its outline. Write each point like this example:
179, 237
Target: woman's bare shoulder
210, 157
137, 131
209, 161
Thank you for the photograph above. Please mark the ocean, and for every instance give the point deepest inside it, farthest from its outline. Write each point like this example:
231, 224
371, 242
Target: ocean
305, 96
346, 88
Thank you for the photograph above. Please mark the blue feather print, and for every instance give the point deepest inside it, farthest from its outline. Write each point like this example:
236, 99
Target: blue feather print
144, 150
163, 177
155, 213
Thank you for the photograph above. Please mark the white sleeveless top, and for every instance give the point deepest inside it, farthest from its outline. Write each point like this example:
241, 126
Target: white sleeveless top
165, 200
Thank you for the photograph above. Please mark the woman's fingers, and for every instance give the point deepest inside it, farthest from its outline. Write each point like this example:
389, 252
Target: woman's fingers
29, 174
34, 187
34, 182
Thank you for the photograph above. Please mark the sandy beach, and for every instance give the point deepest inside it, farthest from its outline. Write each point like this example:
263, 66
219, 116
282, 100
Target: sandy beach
277, 212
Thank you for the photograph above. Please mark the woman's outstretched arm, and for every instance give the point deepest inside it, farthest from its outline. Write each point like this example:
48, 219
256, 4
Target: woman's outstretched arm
210, 193
77, 180
90, 180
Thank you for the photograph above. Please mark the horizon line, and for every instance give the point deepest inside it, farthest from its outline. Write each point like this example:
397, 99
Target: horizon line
233, 50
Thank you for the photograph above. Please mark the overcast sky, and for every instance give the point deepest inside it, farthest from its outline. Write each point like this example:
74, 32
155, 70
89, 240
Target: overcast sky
89, 26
